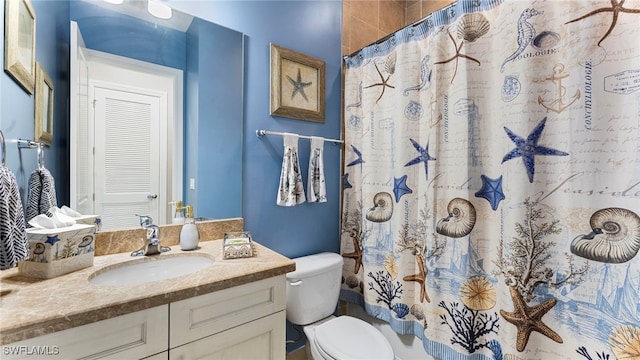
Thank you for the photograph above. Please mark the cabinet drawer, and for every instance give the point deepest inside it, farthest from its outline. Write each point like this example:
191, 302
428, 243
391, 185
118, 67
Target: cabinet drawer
262, 339
130, 336
208, 314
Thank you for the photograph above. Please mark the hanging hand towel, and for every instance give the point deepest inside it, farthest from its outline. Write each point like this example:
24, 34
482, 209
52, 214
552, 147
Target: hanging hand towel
291, 191
316, 190
13, 236
41, 195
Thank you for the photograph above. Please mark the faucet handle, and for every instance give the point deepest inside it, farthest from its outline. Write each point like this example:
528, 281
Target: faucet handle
145, 220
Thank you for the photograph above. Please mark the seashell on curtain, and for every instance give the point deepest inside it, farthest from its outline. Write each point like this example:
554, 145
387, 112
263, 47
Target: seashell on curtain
615, 237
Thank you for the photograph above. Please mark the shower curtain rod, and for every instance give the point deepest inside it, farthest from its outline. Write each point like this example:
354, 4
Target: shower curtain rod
260, 133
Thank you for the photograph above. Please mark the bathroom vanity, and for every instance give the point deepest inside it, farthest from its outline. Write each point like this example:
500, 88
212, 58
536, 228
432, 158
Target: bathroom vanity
232, 309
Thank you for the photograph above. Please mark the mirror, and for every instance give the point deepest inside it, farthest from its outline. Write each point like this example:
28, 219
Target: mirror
198, 150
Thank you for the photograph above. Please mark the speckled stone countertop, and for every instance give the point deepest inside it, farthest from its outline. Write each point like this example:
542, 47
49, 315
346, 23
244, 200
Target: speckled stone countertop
33, 307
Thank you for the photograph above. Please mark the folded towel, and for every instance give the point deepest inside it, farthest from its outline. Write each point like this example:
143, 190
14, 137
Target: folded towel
13, 236
290, 191
316, 189
41, 195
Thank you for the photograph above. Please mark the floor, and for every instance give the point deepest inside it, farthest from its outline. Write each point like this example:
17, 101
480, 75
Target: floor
299, 354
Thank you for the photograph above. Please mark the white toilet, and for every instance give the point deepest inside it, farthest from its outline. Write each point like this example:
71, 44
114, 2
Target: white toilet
312, 295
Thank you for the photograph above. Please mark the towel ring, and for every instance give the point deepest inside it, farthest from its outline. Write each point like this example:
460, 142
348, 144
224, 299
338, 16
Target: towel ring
4, 148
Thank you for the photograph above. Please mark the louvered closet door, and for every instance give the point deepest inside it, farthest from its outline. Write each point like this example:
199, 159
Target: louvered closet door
127, 159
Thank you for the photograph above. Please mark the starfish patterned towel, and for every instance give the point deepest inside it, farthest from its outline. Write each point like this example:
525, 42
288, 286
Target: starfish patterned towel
41, 195
13, 235
316, 189
291, 191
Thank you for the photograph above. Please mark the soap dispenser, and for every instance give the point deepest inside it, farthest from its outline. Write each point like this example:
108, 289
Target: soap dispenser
178, 215
189, 236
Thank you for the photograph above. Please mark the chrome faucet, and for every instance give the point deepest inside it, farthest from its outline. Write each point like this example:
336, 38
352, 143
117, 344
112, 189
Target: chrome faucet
152, 244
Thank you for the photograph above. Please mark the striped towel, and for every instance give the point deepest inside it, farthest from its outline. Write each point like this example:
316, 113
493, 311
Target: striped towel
13, 235
41, 195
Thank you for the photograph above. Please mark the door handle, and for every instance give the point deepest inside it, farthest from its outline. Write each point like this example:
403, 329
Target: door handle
151, 196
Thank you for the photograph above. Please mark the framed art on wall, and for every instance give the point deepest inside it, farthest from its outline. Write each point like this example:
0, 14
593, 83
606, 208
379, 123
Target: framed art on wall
297, 85
43, 126
19, 42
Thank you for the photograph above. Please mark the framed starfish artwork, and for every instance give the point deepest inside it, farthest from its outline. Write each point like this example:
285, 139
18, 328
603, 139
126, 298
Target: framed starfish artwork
297, 85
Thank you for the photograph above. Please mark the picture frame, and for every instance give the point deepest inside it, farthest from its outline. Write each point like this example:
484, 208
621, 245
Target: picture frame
297, 85
20, 43
43, 119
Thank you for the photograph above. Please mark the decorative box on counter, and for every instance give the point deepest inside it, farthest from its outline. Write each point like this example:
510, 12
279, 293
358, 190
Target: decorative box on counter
238, 245
55, 252
90, 220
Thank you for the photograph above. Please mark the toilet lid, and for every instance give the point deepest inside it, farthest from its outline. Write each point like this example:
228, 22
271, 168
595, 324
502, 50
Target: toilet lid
346, 337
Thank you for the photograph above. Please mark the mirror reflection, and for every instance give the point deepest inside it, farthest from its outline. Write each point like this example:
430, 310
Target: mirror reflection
156, 114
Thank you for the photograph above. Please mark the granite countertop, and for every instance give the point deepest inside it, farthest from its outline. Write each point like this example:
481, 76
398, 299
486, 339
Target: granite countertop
33, 307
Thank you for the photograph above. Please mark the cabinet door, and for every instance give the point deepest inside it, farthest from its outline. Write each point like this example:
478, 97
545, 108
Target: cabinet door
131, 336
201, 316
260, 339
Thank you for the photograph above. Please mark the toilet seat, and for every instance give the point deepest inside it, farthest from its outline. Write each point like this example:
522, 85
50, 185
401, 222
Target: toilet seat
346, 337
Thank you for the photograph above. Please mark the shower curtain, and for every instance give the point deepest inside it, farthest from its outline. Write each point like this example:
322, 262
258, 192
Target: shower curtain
492, 180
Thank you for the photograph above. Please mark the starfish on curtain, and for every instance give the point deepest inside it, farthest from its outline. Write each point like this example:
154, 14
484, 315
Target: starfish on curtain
400, 187
345, 182
355, 255
456, 57
420, 278
528, 319
491, 191
528, 148
616, 8
383, 82
358, 154
422, 158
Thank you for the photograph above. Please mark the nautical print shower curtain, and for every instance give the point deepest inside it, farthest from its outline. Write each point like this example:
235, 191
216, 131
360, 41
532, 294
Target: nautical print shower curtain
492, 180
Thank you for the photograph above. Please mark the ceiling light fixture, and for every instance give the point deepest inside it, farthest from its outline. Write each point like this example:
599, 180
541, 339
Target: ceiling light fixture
158, 10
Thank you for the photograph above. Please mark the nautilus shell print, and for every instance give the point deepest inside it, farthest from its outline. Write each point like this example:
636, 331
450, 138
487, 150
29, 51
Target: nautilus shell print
615, 237
461, 219
382, 208
472, 26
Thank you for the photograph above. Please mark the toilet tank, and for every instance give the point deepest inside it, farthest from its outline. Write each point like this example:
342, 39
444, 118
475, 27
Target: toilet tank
313, 289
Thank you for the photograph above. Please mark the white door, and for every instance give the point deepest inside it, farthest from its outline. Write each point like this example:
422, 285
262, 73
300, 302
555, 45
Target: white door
81, 131
128, 147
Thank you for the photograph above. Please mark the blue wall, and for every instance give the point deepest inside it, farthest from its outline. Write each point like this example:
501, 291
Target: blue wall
312, 28
17, 109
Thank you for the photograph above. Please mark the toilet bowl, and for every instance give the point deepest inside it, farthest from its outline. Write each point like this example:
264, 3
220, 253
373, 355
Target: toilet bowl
312, 295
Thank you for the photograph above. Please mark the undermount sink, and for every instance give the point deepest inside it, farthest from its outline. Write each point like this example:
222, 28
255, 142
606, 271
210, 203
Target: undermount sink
149, 269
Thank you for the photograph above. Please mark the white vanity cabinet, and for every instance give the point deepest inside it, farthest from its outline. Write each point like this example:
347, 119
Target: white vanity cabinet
241, 322
130, 336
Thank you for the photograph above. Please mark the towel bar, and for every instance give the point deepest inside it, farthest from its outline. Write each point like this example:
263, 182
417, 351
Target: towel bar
260, 133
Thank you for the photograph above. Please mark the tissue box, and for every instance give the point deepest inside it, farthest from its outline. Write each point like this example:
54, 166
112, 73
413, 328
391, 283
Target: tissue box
237, 245
55, 252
